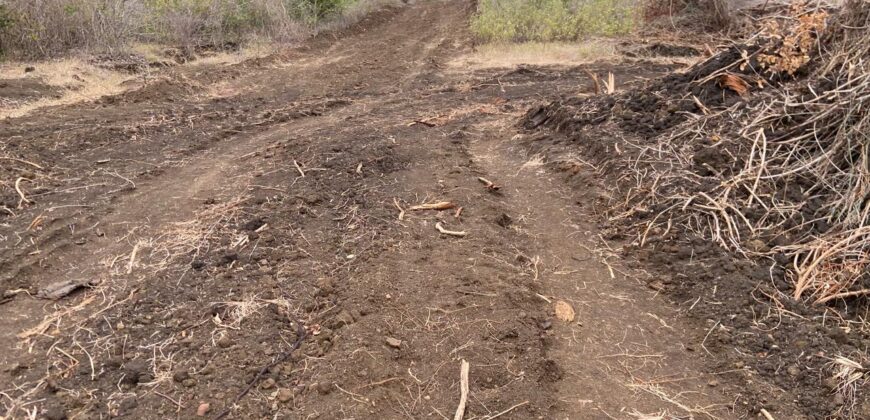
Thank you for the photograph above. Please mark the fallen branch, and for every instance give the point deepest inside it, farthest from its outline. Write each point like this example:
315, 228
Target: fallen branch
463, 398
449, 232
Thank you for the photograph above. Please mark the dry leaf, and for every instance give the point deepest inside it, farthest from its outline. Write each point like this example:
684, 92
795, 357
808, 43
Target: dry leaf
564, 311
734, 83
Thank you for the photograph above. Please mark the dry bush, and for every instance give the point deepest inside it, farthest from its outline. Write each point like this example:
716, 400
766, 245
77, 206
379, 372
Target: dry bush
713, 14
33, 28
45, 28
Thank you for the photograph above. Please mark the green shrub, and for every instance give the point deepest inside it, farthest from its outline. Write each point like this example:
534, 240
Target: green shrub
550, 20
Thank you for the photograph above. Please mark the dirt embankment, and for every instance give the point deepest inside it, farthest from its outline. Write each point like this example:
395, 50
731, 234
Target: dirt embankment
241, 241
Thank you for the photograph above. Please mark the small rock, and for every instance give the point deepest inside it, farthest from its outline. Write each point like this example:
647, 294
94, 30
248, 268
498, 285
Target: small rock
504, 221
546, 325
189, 382
229, 257
180, 376
394, 342
55, 412
714, 383
324, 388
757, 245
225, 342
197, 265
325, 286
29, 69
793, 370
656, 285
128, 404
203, 409
269, 383
284, 394
344, 318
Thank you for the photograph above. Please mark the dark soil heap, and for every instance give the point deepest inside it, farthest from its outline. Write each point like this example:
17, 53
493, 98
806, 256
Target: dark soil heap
750, 174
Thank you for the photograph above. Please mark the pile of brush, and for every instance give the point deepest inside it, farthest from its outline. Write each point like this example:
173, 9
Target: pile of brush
794, 182
763, 148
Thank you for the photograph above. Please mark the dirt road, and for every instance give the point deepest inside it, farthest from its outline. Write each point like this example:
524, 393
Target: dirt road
214, 212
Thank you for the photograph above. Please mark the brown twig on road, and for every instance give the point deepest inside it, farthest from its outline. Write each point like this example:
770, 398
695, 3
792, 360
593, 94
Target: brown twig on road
443, 205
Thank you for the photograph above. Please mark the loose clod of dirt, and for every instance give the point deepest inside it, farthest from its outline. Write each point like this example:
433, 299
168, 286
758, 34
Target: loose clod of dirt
238, 241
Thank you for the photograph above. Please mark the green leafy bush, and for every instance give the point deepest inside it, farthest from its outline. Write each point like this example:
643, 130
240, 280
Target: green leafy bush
550, 20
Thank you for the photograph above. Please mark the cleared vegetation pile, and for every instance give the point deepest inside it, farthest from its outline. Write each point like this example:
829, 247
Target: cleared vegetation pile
763, 148
43, 28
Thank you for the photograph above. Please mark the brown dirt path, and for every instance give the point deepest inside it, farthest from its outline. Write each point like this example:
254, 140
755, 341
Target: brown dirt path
221, 209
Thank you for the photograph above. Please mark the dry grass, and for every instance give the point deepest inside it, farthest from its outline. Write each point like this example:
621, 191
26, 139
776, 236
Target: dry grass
505, 55
79, 81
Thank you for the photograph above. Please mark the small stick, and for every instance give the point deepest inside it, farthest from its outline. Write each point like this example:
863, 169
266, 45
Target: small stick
463, 399
24, 198
91, 359
458, 213
766, 414
444, 205
508, 410
177, 404
449, 232
401, 210
298, 168
23, 161
132, 258
489, 184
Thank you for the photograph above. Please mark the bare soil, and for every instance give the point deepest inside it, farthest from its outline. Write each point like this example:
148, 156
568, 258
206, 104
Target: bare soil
244, 243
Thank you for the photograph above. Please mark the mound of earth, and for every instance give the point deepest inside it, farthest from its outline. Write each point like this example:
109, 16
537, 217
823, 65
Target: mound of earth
25, 90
